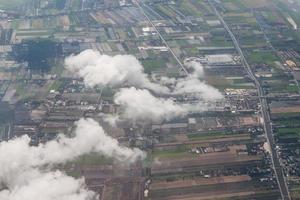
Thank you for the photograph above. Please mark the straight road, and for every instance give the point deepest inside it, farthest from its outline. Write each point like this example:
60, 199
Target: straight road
161, 37
264, 111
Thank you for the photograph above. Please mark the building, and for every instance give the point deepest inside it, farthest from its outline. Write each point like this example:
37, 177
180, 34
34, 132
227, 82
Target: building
219, 59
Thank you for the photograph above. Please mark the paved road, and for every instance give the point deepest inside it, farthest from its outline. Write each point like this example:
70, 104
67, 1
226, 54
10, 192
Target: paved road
161, 37
264, 110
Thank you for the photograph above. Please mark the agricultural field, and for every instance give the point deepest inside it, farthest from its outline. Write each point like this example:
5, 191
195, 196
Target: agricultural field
12, 4
151, 65
262, 58
205, 141
237, 5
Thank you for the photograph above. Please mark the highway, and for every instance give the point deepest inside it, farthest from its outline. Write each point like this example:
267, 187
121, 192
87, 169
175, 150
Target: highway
264, 111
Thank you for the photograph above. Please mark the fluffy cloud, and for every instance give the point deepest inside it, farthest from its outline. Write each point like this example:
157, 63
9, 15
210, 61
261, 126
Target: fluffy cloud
196, 88
112, 120
17, 154
126, 70
197, 68
193, 85
112, 71
140, 104
22, 166
48, 186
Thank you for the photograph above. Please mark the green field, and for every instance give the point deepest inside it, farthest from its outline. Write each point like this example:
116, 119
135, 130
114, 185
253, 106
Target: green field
212, 135
262, 58
282, 87
153, 65
222, 83
179, 152
220, 41
285, 132
286, 115
293, 89
188, 8
91, 159
290, 122
5, 4
56, 85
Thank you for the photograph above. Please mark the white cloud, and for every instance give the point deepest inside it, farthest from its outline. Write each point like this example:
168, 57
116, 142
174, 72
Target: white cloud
140, 104
193, 85
112, 120
198, 70
17, 154
22, 166
48, 186
196, 88
112, 71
